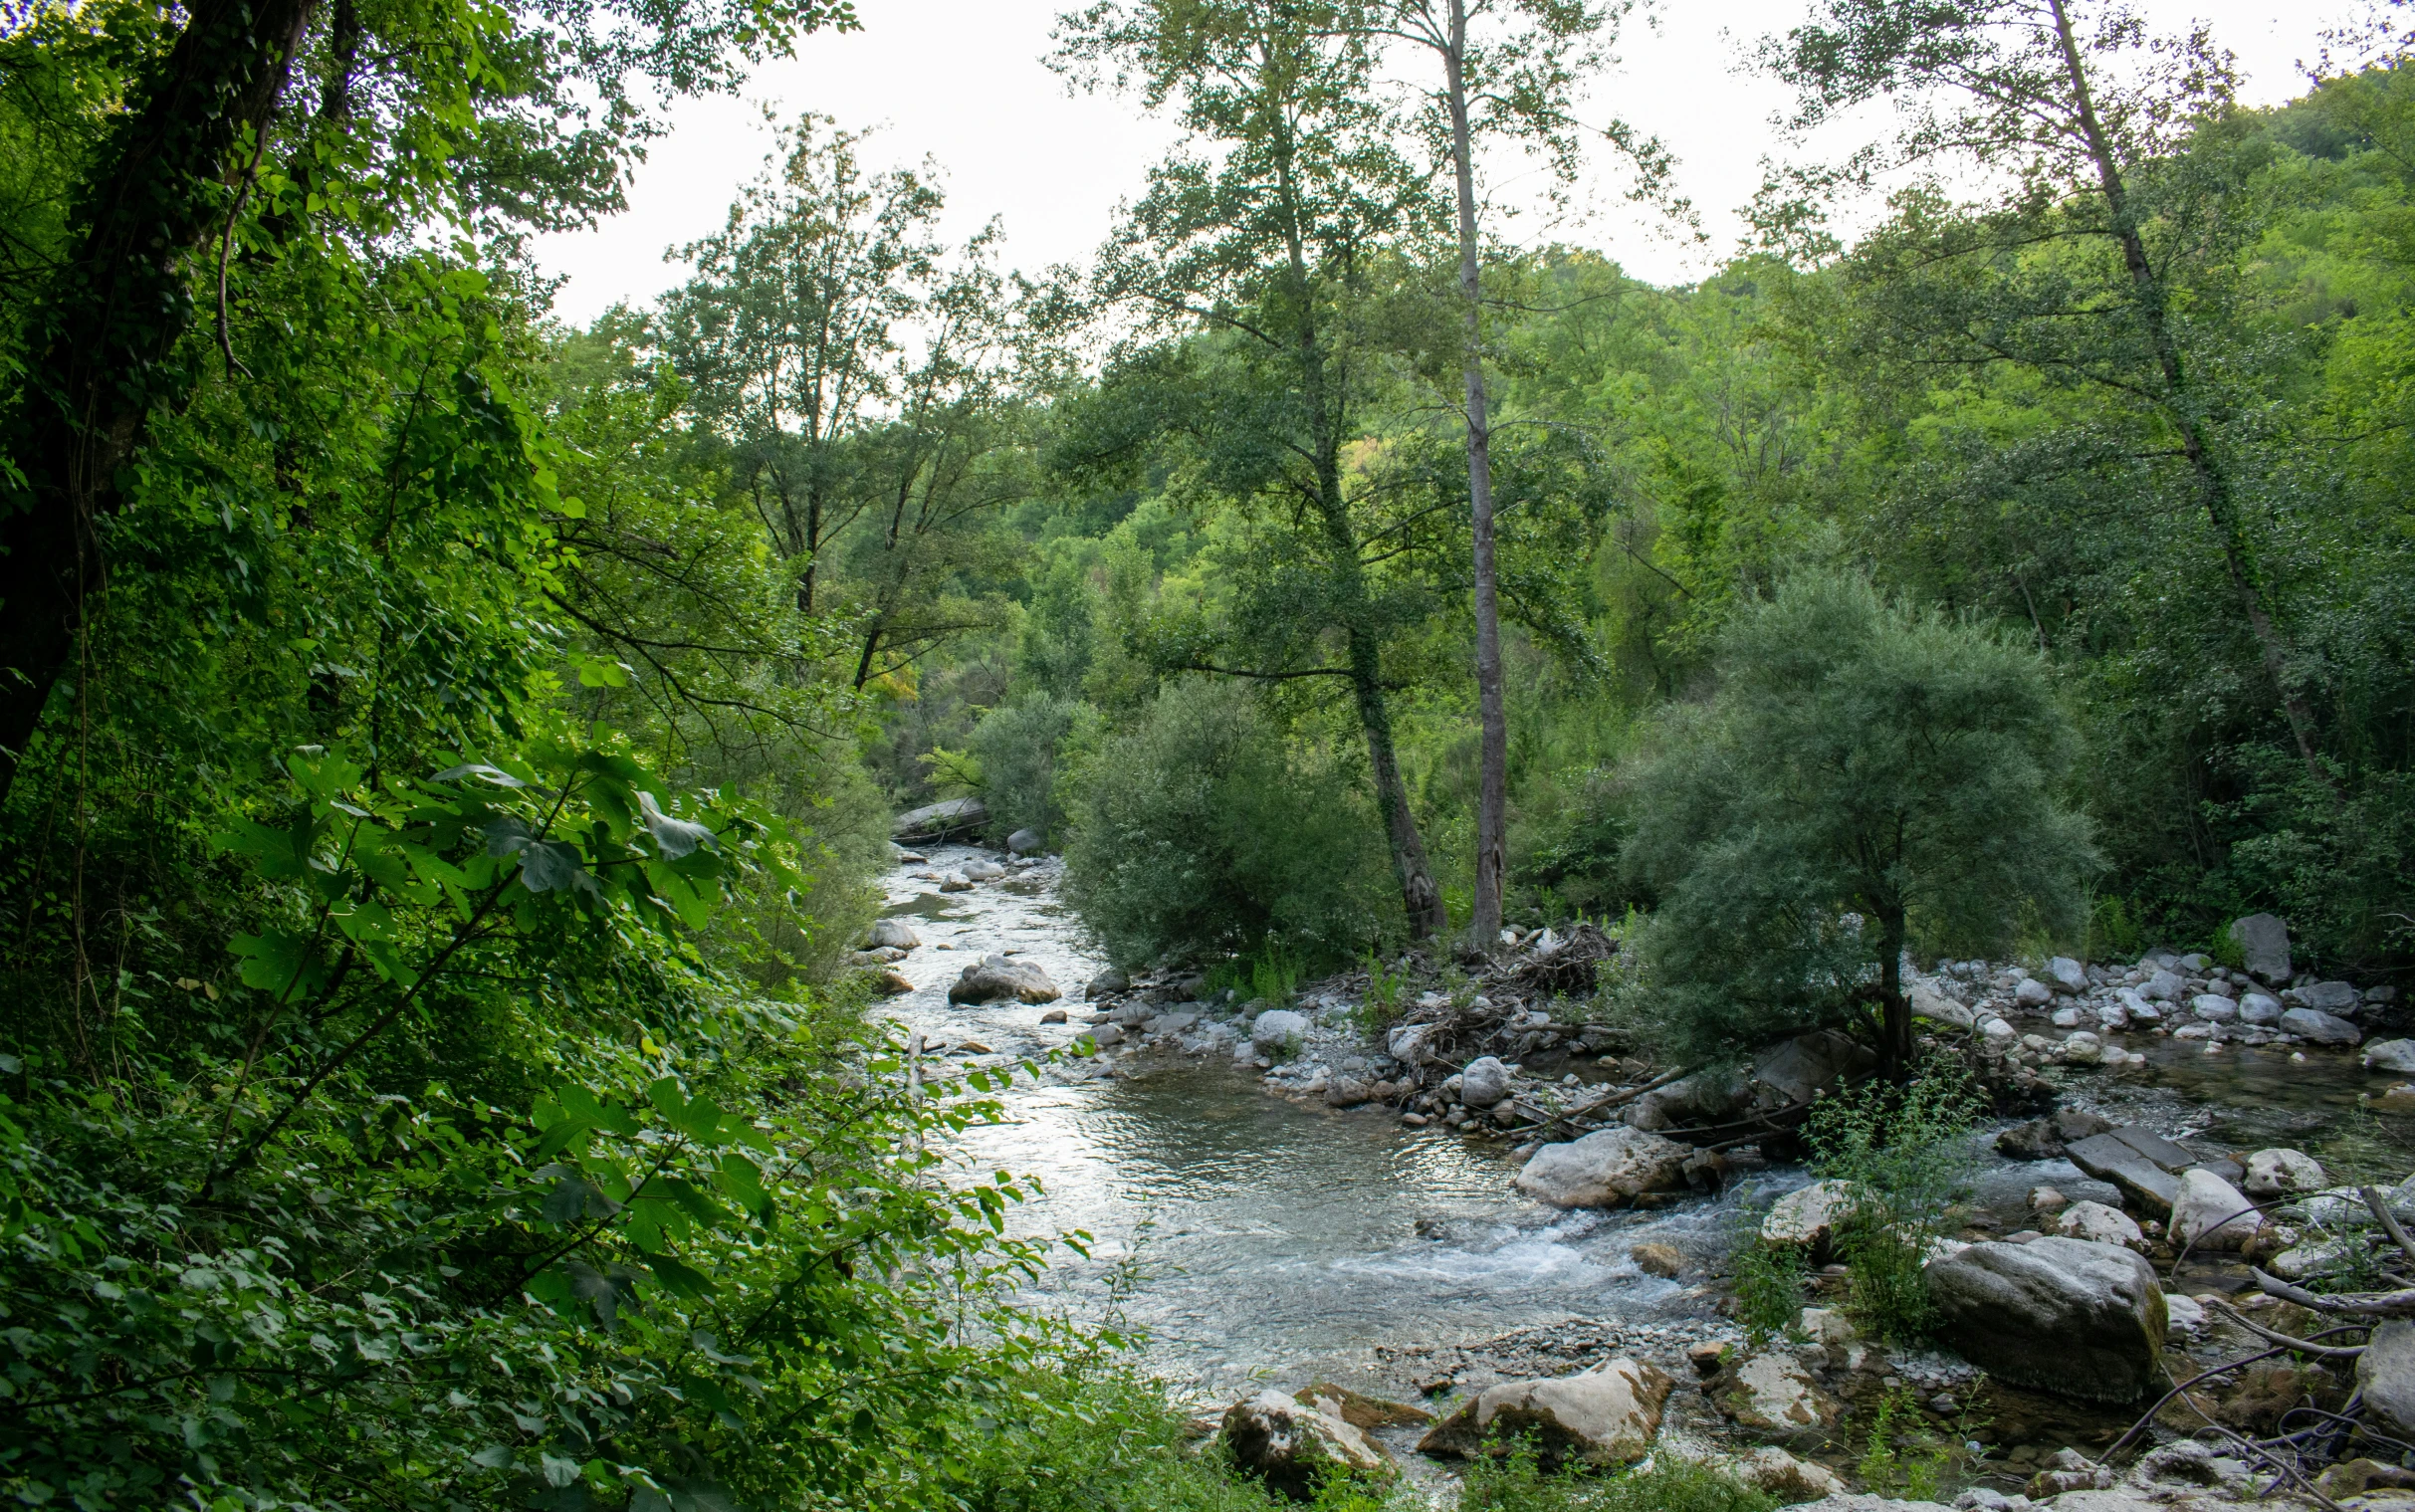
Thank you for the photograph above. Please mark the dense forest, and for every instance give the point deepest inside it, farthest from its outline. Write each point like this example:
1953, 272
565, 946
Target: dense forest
448, 752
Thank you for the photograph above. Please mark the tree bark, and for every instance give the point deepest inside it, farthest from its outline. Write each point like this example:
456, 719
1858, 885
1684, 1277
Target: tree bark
1896, 1010
1492, 781
112, 322
2212, 486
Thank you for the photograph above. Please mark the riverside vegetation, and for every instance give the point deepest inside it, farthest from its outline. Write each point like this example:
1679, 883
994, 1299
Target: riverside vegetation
445, 753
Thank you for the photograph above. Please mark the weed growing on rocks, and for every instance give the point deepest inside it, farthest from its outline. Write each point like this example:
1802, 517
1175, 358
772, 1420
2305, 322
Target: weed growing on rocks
1767, 1283
1905, 1151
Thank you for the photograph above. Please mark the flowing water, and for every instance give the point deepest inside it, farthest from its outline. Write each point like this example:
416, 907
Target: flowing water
1256, 1238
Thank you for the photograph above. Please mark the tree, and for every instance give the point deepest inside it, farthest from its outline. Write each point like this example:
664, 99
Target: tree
1518, 84
1272, 245
2087, 114
1865, 774
425, 107
786, 329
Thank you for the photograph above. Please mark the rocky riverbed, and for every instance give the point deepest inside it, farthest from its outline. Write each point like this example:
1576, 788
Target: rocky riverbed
1285, 1194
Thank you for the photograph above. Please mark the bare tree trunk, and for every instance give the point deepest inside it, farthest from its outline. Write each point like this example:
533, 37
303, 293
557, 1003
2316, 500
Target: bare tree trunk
2213, 488
1896, 1010
1492, 782
115, 313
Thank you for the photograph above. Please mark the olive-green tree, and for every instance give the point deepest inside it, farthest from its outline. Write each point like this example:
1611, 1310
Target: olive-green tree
1865, 775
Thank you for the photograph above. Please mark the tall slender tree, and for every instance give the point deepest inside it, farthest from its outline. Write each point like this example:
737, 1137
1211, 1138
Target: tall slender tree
789, 328
1504, 70
1267, 241
2085, 112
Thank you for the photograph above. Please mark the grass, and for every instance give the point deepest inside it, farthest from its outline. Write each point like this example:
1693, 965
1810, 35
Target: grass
1903, 1456
1379, 1009
1271, 974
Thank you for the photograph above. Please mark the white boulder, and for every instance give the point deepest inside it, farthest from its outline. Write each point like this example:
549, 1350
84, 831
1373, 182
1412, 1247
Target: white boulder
2281, 1172
1608, 1168
2099, 1225
2211, 1214
1607, 1416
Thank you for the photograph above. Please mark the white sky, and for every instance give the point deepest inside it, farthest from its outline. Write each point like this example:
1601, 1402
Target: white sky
962, 81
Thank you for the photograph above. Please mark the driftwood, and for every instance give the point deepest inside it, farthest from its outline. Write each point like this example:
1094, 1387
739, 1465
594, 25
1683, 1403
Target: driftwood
2366, 1304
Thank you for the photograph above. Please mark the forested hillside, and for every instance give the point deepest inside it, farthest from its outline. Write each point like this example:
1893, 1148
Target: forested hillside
448, 752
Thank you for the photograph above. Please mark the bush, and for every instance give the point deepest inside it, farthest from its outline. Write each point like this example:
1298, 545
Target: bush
1907, 1154
1017, 748
1862, 768
1201, 831
1769, 1284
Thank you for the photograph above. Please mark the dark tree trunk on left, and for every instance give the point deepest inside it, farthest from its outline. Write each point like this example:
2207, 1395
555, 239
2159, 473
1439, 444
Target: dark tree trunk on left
110, 322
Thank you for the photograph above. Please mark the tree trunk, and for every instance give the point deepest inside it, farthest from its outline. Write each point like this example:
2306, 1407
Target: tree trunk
115, 313
1896, 1010
2213, 488
1421, 900
1492, 781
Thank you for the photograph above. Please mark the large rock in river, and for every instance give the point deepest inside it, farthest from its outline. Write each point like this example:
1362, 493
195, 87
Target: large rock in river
1293, 1446
1791, 1070
1608, 1168
1809, 1215
2320, 1027
2211, 1214
1603, 1417
998, 976
1485, 1082
1771, 1395
2067, 1316
936, 821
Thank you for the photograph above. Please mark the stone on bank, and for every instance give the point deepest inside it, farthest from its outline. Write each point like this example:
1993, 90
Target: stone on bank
1293, 1447
1603, 1417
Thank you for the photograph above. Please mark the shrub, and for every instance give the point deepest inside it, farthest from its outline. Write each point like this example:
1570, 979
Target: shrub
1016, 753
1202, 831
1907, 1154
1861, 766
1768, 1279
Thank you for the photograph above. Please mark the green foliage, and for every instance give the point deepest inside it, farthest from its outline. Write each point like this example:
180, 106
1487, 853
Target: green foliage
1768, 1281
1905, 1155
1864, 772
1202, 832
1271, 974
1019, 775
1379, 1007
1903, 1456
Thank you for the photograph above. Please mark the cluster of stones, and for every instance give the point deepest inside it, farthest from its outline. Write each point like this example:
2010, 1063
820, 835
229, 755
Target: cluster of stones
2078, 1009
1607, 1416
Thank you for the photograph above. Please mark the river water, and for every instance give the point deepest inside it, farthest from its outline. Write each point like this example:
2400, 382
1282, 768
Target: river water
1255, 1239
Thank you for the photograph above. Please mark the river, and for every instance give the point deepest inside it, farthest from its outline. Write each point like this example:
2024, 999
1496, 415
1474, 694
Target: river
1258, 1239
